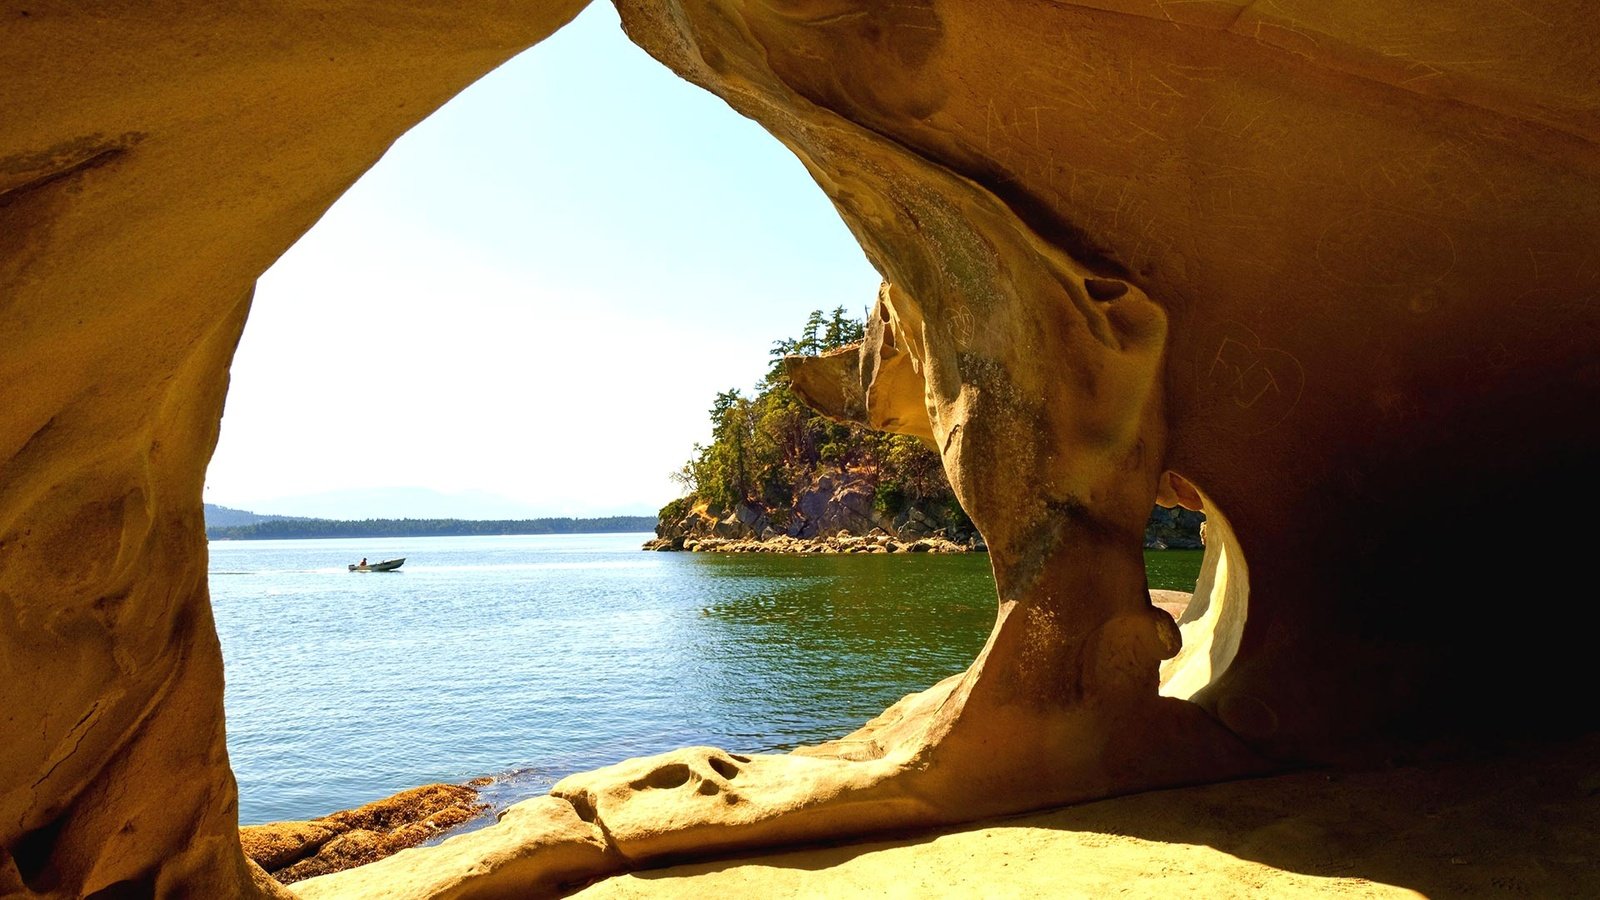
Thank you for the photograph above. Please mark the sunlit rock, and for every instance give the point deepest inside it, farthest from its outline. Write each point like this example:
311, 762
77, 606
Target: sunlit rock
537, 846
154, 160
1334, 266
295, 851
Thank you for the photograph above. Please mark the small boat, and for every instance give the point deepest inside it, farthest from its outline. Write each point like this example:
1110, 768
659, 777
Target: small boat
388, 565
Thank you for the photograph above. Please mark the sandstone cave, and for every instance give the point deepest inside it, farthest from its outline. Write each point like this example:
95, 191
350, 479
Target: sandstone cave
1334, 265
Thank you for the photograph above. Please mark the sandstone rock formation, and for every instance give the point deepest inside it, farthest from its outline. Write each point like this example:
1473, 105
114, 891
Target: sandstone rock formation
1259, 258
1213, 255
536, 848
1524, 825
154, 160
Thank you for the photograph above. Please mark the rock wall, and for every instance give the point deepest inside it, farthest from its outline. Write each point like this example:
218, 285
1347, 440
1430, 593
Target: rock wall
835, 501
154, 159
1331, 268
1304, 256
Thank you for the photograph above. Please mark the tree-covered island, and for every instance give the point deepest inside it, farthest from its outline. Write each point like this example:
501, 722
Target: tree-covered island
779, 477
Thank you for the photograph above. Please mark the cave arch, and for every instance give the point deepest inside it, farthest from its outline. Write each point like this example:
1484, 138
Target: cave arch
1213, 624
1380, 286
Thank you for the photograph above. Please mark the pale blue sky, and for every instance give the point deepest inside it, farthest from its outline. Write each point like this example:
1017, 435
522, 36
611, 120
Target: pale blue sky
535, 295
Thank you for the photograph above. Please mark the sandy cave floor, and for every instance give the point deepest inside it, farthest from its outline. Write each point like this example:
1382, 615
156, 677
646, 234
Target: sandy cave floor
1518, 824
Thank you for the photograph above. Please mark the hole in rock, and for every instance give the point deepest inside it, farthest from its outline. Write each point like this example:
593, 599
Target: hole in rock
668, 776
474, 309
1174, 539
1105, 289
1173, 557
523, 311
1212, 617
32, 854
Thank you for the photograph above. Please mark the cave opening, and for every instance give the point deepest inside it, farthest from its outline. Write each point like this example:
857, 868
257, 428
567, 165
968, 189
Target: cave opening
132, 279
1213, 618
370, 268
485, 309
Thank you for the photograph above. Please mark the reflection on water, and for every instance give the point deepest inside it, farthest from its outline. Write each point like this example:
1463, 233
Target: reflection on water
838, 638
531, 657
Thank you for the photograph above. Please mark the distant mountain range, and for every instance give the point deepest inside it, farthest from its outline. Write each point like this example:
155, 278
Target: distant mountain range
228, 517
226, 523
426, 503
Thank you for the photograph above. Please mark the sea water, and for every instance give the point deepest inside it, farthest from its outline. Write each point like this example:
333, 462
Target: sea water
531, 657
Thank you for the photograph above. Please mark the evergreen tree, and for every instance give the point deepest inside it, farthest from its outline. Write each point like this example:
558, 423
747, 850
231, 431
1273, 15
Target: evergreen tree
768, 449
841, 330
810, 343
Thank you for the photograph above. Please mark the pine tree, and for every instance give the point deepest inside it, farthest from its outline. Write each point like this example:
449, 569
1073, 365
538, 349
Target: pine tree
810, 343
768, 449
842, 330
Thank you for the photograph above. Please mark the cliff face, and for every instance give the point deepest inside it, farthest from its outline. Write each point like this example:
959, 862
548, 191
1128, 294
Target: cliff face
1174, 528
1326, 271
835, 501
846, 502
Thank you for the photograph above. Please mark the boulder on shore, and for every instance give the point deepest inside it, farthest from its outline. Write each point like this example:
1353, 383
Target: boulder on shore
294, 851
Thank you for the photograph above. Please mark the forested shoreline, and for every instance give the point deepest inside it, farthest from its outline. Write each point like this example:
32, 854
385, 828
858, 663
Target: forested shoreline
774, 468
277, 529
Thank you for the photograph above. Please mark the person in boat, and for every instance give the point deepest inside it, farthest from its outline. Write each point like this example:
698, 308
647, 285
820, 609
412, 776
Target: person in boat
363, 560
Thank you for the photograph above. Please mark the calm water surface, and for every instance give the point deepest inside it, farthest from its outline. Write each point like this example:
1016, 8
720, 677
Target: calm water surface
531, 657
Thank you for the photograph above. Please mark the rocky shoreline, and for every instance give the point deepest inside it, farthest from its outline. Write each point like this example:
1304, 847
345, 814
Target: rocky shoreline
843, 542
294, 851
838, 513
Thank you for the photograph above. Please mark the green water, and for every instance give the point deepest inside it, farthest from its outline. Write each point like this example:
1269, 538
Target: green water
1172, 570
531, 657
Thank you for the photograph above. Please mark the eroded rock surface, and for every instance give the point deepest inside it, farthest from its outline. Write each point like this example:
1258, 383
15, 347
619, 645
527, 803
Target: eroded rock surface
154, 160
1304, 256
1327, 271
537, 847
1517, 825
1245, 259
